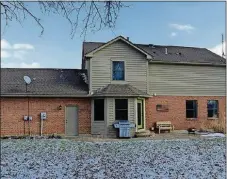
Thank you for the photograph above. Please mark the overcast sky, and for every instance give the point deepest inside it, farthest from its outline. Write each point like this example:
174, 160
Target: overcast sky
198, 24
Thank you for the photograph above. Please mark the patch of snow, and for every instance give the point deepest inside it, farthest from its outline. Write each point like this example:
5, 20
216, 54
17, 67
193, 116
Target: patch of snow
214, 135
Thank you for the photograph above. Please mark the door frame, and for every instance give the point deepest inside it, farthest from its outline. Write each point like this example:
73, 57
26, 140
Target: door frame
144, 115
73, 105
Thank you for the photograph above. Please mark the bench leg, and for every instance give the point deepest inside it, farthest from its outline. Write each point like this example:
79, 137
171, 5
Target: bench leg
159, 130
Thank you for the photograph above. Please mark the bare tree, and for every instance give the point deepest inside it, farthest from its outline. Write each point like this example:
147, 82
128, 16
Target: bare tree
81, 15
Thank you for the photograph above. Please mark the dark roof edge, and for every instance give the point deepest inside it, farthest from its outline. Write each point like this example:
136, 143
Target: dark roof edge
117, 95
45, 69
189, 63
48, 96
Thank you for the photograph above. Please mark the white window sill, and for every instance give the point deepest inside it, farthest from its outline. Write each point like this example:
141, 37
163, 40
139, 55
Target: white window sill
212, 118
118, 82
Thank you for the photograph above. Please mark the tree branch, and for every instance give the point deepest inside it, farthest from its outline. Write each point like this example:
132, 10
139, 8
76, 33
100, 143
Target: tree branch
83, 15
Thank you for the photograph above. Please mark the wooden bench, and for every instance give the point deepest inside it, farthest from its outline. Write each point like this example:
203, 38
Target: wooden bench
164, 125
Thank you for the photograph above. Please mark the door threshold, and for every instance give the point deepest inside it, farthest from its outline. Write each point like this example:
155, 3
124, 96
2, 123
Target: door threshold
141, 130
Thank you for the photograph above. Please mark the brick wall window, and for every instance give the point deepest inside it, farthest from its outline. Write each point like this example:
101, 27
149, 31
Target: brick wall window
191, 109
212, 108
99, 110
121, 109
118, 68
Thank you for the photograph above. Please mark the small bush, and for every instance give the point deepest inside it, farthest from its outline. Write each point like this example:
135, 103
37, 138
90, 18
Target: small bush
213, 126
5, 137
219, 128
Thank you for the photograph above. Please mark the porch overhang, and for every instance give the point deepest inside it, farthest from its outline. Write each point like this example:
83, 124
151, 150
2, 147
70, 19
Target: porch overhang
119, 90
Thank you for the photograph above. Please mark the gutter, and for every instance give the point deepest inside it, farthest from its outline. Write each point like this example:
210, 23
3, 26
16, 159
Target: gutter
70, 96
134, 96
43, 95
185, 63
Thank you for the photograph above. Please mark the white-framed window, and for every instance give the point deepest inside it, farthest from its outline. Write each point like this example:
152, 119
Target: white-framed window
212, 108
121, 109
191, 108
118, 70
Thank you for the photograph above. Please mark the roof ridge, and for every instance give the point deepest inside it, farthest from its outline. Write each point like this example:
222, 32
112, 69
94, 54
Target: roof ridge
160, 45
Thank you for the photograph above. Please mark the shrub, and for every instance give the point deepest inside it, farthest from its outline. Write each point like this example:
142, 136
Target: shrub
219, 128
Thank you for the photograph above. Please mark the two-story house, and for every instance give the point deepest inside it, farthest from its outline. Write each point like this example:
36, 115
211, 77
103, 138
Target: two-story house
119, 80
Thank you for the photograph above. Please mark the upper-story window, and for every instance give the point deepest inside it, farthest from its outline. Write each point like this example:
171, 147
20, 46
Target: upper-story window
118, 68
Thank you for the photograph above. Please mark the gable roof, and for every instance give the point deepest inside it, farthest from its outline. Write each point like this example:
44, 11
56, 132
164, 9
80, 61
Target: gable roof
45, 82
103, 45
125, 90
180, 54
175, 54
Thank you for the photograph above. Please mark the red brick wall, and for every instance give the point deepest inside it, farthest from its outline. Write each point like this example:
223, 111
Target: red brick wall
13, 110
177, 111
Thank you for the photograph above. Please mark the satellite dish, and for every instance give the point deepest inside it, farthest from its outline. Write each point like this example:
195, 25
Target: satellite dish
27, 80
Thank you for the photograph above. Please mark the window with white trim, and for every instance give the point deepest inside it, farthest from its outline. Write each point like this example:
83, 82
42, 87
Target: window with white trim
212, 108
191, 108
121, 109
118, 70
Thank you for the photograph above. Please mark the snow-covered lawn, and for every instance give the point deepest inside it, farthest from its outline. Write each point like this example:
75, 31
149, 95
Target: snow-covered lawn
161, 159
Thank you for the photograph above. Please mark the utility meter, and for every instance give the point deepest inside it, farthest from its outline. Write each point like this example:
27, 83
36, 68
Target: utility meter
29, 118
43, 115
25, 118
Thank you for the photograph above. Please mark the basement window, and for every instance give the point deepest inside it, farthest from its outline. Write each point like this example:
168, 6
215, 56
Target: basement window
121, 109
212, 108
191, 109
99, 110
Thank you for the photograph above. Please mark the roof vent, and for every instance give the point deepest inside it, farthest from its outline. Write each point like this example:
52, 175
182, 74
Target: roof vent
128, 38
166, 51
151, 45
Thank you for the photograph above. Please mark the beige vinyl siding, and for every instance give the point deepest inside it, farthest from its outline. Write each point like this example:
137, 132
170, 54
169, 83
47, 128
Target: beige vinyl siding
187, 80
111, 114
132, 113
98, 128
87, 67
135, 66
111, 117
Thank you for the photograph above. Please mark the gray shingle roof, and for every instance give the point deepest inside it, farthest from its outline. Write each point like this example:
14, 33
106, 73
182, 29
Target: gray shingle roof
119, 90
53, 82
176, 54
183, 54
90, 46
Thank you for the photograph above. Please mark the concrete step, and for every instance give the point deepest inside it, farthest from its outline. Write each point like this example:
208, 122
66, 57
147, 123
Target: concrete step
146, 133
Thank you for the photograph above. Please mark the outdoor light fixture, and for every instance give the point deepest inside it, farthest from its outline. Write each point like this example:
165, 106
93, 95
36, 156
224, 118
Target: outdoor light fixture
59, 107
